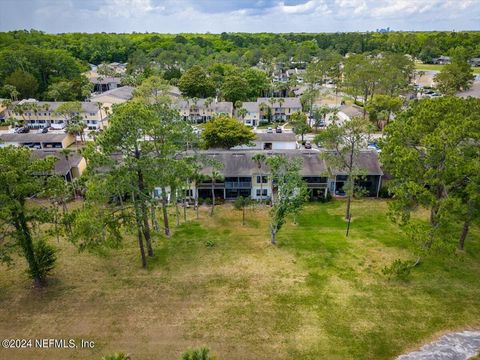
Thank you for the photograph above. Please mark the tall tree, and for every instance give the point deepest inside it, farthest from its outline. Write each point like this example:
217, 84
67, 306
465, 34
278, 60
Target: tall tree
345, 142
19, 179
455, 77
432, 154
291, 191
299, 122
195, 82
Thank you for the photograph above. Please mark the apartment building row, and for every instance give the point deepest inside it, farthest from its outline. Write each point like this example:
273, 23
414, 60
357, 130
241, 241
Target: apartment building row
241, 175
43, 114
269, 109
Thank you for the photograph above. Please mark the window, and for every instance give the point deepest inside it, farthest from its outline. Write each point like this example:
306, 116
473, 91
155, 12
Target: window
265, 192
264, 179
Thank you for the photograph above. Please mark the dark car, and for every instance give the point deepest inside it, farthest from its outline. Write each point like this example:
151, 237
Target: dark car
308, 145
23, 130
278, 130
45, 130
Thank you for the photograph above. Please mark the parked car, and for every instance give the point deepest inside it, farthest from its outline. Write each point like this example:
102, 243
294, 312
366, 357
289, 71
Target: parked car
308, 145
270, 130
278, 130
45, 130
374, 146
22, 130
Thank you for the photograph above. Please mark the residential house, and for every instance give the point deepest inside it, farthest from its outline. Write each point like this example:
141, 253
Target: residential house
102, 83
44, 115
38, 140
347, 112
264, 109
114, 96
69, 166
202, 110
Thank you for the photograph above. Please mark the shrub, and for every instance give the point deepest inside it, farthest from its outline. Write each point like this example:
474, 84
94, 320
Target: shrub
210, 243
46, 257
197, 354
398, 269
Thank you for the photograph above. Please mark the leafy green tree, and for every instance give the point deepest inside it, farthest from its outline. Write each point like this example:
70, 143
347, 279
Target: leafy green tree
153, 90
24, 82
195, 82
454, 77
396, 73
19, 180
226, 132
291, 191
299, 122
432, 154
257, 82
234, 88
345, 142
361, 76
381, 108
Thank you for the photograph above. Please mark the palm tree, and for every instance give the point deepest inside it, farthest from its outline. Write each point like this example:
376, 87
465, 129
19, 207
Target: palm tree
272, 102
260, 160
262, 107
280, 104
46, 108
242, 112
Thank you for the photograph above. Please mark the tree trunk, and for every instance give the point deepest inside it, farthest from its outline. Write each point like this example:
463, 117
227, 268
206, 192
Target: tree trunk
138, 221
273, 233
196, 202
26, 243
213, 197
243, 218
140, 245
165, 212
144, 211
463, 236
349, 204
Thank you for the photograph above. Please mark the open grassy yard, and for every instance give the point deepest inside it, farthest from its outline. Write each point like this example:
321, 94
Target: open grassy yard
437, 67
318, 295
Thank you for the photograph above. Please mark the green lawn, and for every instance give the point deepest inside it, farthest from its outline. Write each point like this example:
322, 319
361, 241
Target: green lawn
476, 70
318, 295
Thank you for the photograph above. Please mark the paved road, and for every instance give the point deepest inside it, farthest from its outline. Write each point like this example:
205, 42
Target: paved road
453, 346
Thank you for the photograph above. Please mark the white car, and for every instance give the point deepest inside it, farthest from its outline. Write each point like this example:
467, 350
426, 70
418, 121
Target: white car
270, 130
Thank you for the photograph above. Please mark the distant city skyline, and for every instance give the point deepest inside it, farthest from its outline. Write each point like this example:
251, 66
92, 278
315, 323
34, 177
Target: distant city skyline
201, 16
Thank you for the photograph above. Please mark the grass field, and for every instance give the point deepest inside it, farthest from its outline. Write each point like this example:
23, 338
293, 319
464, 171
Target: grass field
476, 70
318, 295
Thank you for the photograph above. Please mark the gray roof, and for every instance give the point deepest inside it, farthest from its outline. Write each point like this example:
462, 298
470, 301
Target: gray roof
62, 166
104, 80
37, 137
288, 102
250, 106
351, 110
240, 163
87, 106
276, 137
123, 93
365, 161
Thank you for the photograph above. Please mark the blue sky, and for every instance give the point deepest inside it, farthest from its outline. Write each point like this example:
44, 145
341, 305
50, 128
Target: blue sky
175, 16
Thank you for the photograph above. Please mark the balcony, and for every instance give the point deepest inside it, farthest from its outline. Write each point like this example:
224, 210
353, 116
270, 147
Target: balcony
238, 184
